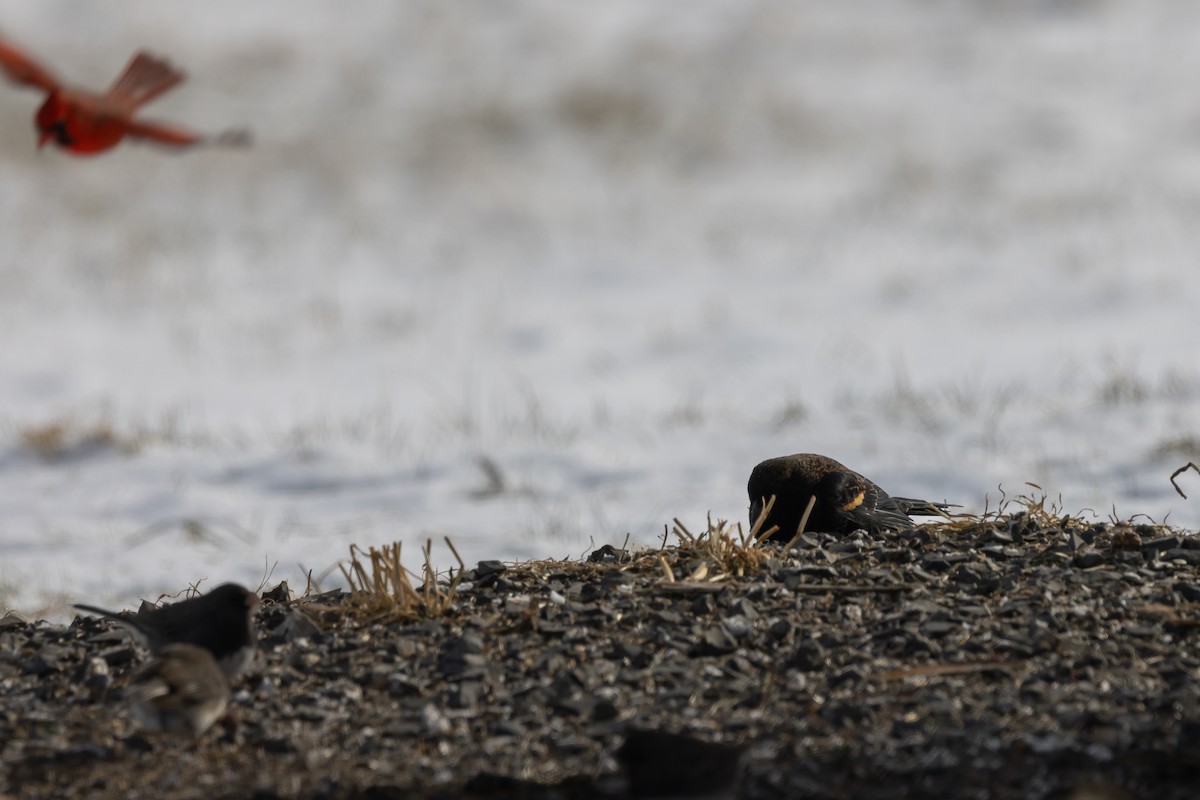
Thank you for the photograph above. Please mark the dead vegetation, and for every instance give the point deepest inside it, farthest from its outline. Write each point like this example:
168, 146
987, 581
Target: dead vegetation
384, 590
914, 625
59, 440
381, 589
1180, 471
1028, 508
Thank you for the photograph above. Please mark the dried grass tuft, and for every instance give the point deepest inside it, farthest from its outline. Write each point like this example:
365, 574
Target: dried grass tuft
725, 550
1180, 471
59, 439
1034, 507
382, 591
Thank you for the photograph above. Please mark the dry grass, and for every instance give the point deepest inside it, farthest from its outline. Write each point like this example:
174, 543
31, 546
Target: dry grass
1036, 509
723, 550
58, 440
720, 552
1035, 505
1180, 471
382, 591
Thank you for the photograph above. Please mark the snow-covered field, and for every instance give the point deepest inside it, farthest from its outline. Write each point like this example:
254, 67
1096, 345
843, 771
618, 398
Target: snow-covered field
617, 251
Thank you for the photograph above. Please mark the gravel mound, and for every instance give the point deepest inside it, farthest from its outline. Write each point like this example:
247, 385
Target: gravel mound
1023, 656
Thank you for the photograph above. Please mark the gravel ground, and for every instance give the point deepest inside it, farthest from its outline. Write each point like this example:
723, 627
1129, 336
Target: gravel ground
1022, 656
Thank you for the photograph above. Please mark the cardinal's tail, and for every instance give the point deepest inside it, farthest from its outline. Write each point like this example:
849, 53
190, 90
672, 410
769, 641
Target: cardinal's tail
176, 136
144, 79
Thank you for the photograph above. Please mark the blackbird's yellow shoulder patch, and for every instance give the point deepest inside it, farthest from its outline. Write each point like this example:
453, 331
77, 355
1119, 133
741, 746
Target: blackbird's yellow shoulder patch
856, 502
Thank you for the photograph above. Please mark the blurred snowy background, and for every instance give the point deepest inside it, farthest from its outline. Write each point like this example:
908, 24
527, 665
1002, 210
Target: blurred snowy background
617, 252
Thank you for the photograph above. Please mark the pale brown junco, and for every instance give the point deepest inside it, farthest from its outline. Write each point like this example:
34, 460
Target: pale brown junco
220, 621
181, 691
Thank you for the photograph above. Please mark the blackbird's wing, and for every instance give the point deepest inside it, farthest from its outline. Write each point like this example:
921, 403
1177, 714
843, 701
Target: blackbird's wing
24, 70
145, 78
862, 504
923, 508
890, 514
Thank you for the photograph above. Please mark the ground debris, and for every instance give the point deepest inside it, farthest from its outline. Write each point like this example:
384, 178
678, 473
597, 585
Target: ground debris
1015, 657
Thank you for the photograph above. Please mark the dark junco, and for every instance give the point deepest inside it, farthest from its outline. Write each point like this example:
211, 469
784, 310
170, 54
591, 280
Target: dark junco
220, 621
181, 691
846, 501
659, 764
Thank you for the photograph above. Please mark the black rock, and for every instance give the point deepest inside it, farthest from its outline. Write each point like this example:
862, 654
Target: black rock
487, 568
807, 657
280, 593
713, 641
461, 658
662, 764
1188, 591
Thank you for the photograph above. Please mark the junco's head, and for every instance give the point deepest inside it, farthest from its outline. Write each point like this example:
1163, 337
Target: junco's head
220, 621
181, 691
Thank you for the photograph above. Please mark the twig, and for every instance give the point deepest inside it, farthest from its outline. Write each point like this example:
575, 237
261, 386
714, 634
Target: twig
1176, 473
756, 532
682, 533
934, 670
851, 588
683, 587
666, 568
1169, 615
812, 501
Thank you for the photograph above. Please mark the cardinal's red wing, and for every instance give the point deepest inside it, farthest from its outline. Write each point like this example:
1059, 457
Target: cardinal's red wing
23, 69
144, 79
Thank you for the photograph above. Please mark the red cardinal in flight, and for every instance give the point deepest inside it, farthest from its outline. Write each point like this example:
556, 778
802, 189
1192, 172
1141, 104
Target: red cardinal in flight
85, 123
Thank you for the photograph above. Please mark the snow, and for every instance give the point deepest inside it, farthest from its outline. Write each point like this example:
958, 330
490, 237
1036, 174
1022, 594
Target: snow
620, 252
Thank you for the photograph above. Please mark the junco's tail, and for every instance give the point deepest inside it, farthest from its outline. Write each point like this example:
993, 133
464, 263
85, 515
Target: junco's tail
129, 623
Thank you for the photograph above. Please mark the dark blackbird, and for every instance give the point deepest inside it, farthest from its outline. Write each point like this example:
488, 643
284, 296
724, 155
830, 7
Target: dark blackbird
181, 691
220, 621
846, 501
